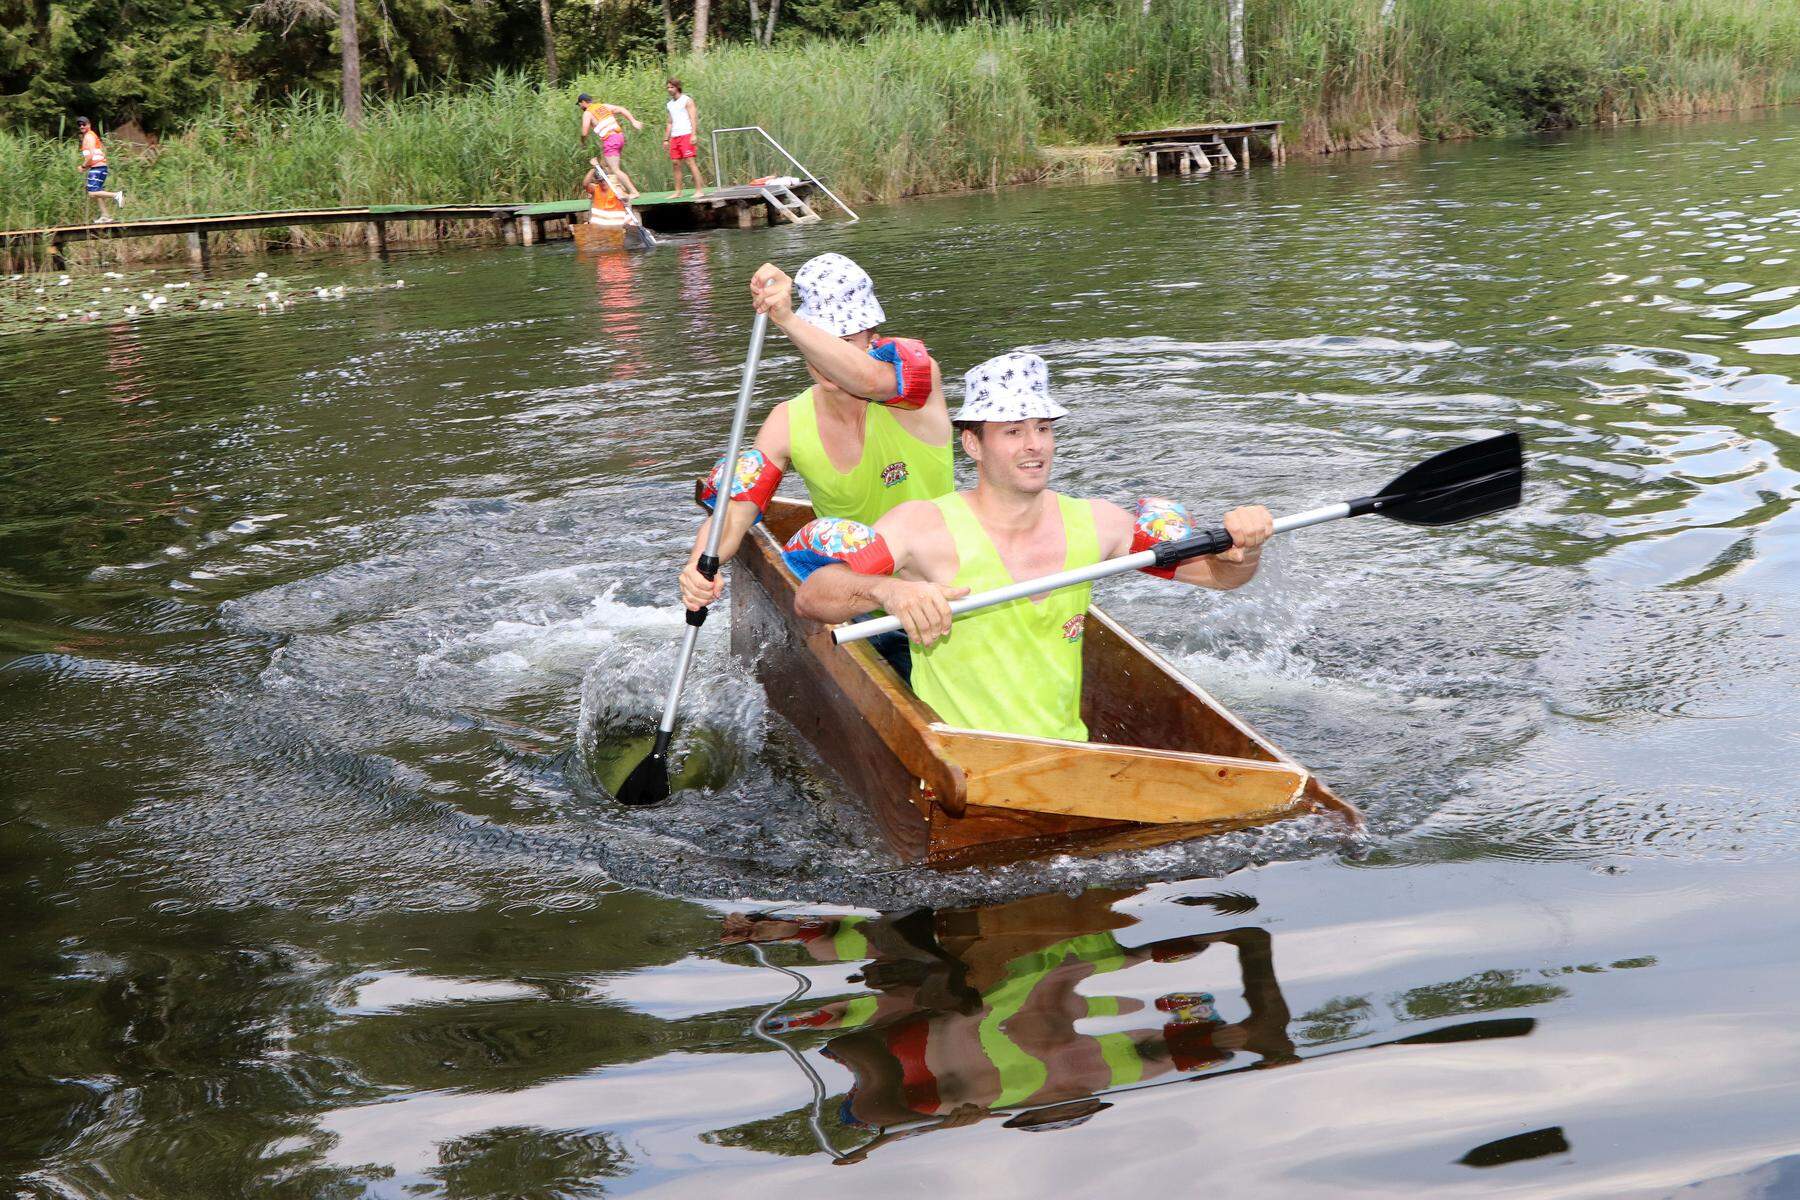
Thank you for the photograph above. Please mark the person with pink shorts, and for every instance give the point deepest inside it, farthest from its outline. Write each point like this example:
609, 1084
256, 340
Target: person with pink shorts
602, 121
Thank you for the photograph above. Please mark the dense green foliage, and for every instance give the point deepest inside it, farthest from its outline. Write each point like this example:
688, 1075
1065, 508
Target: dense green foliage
918, 107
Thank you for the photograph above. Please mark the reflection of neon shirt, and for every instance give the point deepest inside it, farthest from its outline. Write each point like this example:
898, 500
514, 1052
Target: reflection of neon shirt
1020, 1074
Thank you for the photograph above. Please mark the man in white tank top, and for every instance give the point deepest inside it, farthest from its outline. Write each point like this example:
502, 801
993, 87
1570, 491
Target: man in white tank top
684, 120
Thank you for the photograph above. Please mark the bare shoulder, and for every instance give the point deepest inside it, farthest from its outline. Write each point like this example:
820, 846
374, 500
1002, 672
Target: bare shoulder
912, 516
774, 438
1112, 527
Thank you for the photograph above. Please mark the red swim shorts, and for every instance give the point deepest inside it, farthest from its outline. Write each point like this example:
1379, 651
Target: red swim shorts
681, 146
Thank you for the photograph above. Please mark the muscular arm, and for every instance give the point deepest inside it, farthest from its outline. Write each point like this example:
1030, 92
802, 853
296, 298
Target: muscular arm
845, 364
1221, 572
619, 110
912, 531
772, 439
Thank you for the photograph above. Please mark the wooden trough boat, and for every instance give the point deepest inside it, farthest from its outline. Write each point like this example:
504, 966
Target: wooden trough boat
1166, 761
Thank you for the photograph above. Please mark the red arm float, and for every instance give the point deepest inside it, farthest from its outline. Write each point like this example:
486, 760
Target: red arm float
826, 540
755, 481
912, 370
1155, 520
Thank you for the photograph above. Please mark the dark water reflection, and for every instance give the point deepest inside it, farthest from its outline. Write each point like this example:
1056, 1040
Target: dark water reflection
315, 630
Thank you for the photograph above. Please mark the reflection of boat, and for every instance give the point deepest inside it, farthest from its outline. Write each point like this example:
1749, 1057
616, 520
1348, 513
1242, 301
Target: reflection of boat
976, 1013
1041, 1012
1167, 761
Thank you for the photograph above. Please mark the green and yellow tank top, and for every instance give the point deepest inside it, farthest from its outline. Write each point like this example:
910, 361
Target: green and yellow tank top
1015, 667
895, 465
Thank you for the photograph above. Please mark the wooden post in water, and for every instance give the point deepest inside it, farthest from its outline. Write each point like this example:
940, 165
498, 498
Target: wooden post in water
199, 253
57, 262
377, 232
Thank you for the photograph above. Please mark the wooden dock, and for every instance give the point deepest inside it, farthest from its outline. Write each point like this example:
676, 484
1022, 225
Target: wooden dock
741, 207
1197, 149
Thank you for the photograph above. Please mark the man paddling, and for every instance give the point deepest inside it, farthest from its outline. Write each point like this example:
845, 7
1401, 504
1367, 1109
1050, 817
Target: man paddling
1015, 667
872, 432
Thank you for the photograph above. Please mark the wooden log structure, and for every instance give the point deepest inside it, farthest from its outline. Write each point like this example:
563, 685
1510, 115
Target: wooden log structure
1200, 148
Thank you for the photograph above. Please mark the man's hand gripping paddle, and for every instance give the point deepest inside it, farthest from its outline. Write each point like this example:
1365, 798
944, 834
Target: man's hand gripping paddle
1457, 485
648, 782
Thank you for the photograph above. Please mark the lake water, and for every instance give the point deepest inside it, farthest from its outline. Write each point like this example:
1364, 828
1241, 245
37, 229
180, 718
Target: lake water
313, 622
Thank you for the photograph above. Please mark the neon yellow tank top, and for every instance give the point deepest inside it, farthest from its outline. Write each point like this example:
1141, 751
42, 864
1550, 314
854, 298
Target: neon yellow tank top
1015, 667
895, 465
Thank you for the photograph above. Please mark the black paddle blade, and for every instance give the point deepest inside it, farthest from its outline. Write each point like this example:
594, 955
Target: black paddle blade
1471, 1031
1470, 481
648, 782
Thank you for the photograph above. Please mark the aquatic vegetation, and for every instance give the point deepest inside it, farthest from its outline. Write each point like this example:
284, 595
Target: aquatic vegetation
87, 297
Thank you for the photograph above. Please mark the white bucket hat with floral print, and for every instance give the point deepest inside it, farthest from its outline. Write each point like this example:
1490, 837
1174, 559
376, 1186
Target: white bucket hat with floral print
837, 295
1014, 386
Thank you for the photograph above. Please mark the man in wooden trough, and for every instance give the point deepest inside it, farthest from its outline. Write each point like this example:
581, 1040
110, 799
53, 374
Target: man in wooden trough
1014, 667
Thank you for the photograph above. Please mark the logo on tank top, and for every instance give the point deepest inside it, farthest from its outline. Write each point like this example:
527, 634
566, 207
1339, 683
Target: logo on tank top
1073, 626
893, 473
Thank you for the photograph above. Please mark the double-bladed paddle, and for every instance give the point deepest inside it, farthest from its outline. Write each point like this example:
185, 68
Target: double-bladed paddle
648, 782
1456, 485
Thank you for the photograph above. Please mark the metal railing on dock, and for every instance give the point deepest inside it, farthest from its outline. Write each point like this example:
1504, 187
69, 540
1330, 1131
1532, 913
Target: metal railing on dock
782, 150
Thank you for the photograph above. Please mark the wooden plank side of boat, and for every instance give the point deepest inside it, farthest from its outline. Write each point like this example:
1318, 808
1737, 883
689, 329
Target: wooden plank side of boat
1135, 783
596, 235
928, 783
1132, 695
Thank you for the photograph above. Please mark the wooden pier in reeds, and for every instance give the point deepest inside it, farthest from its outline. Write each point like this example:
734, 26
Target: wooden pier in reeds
741, 207
1197, 149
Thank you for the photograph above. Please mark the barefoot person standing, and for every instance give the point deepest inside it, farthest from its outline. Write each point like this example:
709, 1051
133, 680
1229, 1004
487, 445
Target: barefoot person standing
94, 166
602, 121
684, 119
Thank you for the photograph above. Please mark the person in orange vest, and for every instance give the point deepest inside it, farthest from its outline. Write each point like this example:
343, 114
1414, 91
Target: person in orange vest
602, 121
608, 207
94, 165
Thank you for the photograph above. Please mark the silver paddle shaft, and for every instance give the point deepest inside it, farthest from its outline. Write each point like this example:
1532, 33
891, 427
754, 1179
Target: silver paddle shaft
1104, 569
739, 417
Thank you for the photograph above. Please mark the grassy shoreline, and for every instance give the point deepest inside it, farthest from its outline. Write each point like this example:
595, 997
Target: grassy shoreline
927, 109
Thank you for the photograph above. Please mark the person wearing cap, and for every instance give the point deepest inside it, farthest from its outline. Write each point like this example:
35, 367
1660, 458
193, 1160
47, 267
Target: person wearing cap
602, 121
94, 167
1015, 667
872, 432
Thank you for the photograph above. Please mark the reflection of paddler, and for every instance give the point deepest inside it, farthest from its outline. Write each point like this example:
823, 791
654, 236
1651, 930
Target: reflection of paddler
1017, 1045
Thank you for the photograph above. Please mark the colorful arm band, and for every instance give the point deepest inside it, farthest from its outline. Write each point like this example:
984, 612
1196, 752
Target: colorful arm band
912, 370
755, 481
1155, 520
827, 540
